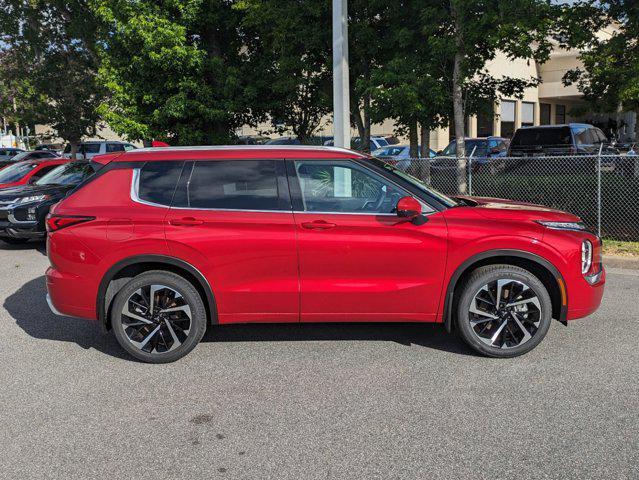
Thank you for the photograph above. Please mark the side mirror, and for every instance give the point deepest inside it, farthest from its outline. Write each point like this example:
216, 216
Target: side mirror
409, 207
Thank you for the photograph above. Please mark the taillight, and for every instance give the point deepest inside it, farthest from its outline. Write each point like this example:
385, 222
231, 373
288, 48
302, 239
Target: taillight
58, 222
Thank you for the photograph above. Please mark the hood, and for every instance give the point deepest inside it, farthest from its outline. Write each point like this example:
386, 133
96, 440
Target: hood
13, 193
502, 209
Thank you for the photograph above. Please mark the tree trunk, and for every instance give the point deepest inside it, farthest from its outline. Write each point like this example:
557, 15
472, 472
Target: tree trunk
458, 98
74, 149
460, 134
424, 163
356, 115
413, 138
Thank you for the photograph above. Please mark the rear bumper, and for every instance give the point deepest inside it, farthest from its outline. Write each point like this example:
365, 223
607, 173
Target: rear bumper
54, 310
62, 295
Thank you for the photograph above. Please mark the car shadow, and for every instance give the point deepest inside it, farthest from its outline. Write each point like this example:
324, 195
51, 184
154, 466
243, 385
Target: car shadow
29, 308
37, 245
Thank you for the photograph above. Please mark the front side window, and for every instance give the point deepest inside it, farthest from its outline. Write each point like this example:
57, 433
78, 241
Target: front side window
89, 147
157, 182
235, 185
344, 187
72, 173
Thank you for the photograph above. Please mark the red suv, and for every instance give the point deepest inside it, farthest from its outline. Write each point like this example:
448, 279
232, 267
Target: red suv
160, 243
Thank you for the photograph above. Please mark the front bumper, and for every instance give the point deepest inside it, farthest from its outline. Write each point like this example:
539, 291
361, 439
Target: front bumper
13, 227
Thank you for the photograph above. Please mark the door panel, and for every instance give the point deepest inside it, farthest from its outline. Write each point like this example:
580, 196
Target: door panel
249, 259
370, 268
358, 260
241, 237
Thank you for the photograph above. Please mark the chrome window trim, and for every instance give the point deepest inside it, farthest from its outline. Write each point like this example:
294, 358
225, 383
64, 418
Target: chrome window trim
135, 185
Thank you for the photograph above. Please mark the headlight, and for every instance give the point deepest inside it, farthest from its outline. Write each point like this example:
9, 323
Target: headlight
563, 225
32, 198
586, 256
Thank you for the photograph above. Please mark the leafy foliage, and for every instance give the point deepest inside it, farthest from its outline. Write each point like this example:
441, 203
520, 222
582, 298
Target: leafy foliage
609, 78
50, 64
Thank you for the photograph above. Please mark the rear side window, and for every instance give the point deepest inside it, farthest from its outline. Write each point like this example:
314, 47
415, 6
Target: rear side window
157, 182
235, 185
114, 147
542, 136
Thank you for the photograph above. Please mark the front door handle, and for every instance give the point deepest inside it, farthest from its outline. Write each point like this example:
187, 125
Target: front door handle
185, 222
318, 225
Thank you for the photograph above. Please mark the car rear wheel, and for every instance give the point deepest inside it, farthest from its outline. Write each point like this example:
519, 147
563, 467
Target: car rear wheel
158, 317
503, 311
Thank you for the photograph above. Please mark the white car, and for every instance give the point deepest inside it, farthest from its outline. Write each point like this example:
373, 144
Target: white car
88, 150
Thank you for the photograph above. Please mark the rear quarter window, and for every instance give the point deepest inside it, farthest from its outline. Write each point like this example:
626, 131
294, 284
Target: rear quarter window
157, 182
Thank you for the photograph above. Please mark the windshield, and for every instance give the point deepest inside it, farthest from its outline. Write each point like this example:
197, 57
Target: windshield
389, 151
478, 146
449, 202
69, 174
16, 172
20, 156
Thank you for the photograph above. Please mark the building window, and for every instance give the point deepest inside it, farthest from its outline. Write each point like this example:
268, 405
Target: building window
560, 114
507, 118
527, 114
485, 124
544, 114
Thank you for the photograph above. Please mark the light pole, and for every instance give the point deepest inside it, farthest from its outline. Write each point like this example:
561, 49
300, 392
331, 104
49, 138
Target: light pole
341, 97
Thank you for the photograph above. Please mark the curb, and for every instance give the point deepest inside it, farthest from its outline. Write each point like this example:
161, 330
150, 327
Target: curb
630, 263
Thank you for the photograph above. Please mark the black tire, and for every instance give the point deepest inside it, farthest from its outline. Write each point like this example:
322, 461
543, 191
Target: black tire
14, 241
489, 275
190, 297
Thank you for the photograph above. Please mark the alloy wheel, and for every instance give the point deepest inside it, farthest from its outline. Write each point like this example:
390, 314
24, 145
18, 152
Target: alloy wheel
505, 313
156, 319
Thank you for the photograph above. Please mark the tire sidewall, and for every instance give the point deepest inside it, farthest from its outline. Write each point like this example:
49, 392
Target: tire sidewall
510, 273
188, 292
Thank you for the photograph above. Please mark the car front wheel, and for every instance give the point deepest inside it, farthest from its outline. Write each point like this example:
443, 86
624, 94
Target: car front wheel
503, 311
158, 317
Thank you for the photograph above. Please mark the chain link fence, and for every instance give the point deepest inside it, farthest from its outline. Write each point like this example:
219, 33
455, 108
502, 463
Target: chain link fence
602, 189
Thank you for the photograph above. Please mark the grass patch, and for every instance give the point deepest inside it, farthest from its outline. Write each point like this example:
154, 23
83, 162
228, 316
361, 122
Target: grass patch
619, 248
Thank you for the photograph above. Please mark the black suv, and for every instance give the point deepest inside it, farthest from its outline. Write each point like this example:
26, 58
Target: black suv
23, 209
559, 140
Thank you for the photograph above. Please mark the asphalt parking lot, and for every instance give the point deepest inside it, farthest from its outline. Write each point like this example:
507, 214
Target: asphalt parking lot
314, 401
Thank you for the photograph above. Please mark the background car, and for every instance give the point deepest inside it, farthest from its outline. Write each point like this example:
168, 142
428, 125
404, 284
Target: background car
27, 155
28, 171
560, 140
23, 209
398, 155
356, 143
88, 150
486, 152
315, 140
7, 153
51, 147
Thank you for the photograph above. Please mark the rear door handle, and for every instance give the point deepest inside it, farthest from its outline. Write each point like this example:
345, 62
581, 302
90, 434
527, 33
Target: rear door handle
318, 225
185, 222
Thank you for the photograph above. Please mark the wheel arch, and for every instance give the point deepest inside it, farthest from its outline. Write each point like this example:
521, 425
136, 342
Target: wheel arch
547, 273
120, 273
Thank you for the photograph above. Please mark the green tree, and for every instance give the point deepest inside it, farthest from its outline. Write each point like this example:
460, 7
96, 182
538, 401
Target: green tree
470, 34
178, 70
609, 78
290, 50
53, 64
